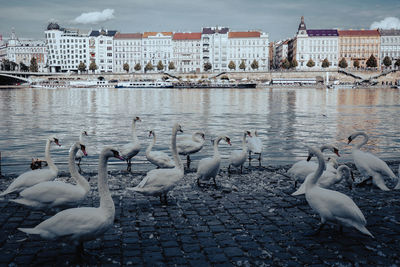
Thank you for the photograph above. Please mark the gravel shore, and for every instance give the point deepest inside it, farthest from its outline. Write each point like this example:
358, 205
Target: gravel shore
249, 220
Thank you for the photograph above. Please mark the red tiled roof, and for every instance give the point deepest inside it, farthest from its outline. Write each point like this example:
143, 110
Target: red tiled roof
244, 34
147, 34
187, 36
358, 33
128, 36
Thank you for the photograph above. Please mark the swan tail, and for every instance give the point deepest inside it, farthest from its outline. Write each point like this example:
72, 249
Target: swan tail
136, 189
300, 191
7, 191
31, 231
364, 230
22, 201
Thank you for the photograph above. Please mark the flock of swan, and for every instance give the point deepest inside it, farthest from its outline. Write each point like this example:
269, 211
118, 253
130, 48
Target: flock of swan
37, 189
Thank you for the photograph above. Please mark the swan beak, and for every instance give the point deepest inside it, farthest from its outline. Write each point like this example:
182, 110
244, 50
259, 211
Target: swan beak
349, 140
119, 157
85, 133
84, 153
57, 143
309, 158
336, 151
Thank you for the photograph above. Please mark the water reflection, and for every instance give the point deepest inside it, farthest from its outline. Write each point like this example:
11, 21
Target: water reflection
287, 119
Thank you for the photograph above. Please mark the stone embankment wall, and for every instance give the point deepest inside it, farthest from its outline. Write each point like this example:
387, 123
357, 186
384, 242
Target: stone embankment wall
254, 76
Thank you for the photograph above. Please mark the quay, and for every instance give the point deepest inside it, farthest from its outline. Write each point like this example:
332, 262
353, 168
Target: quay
250, 220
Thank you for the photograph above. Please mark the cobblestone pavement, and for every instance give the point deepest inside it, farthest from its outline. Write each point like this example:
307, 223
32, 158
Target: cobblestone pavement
250, 220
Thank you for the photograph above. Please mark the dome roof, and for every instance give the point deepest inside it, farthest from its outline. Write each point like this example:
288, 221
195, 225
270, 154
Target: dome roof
53, 26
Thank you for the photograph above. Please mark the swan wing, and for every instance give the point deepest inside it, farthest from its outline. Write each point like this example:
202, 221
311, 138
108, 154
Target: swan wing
76, 224
51, 194
29, 179
238, 157
188, 146
332, 205
301, 169
130, 150
160, 159
208, 167
159, 180
367, 162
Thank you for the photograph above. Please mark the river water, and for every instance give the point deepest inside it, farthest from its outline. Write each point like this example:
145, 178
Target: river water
287, 119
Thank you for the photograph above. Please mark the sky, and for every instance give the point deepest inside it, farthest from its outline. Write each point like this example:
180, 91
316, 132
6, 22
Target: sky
279, 19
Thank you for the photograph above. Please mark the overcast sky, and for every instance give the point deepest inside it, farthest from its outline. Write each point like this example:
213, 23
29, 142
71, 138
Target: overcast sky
279, 19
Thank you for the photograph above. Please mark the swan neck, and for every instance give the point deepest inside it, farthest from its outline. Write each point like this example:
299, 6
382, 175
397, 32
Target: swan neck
74, 171
150, 147
134, 136
106, 201
216, 151
244, 145
49, 160
365, 140
319, 171
177, 159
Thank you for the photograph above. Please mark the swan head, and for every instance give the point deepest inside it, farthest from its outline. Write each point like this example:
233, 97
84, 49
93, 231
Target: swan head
228, 140
135, 119
333, 161
83, 148
354, 135
54, 139
109, 152
331, 148
347, 174
151, 132
178, 128
312, 152
84, 132
201, 134
247, 133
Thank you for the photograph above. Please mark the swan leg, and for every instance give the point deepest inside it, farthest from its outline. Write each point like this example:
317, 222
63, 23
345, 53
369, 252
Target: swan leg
295, 183
229, 168
129, 164
241, 169
165, 199
198, 181
80, 252
249, 158
215, 183
259, 160
188, 161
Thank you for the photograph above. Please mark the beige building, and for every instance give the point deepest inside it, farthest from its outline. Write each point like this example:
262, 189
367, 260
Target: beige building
359, 45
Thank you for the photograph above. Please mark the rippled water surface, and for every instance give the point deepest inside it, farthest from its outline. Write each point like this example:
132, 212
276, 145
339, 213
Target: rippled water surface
287, 119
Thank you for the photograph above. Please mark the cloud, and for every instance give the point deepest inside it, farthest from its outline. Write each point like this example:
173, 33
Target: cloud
386, 24
95, 17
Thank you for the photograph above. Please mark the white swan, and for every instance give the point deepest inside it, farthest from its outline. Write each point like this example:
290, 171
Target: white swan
79, 155
209, 167
332, 205
238, 157
131, 149
187, 145
255, 146
52, 194
158, 158
369, 165
302, 168
31, 178
159, 182
82, 224
329, 178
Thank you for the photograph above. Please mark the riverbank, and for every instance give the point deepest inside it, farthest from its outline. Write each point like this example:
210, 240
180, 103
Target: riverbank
250, 220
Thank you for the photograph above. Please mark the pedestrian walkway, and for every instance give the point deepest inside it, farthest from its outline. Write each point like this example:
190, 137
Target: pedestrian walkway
250, 220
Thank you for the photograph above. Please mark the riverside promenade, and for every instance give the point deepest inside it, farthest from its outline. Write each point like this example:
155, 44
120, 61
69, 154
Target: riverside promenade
250, 220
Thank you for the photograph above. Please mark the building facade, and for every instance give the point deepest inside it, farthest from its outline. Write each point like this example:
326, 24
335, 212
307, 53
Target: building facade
248, 47
157, 47
390, 45
66, 48
316, 45
281, 51
215, 48
187, 52
127, 49
22, 51
101, 49
359, 45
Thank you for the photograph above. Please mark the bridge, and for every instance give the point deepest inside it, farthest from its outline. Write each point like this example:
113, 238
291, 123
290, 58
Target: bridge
15, 77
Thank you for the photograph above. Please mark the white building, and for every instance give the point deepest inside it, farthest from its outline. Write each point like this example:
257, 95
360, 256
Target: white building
187, 52
248, 47
390, 45
316, 45
3, 48
127, 49
66, 48
156, 47
280, 53
22, 51
101, 49
215, 48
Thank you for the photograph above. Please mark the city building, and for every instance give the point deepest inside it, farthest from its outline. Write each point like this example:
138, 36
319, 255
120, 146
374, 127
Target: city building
66, 48
101, 49
281, 51
316, 45
3, 48
390, 45
359, 45
157, 47
127, 49
22, 51
187, 52
215, 48
247, 47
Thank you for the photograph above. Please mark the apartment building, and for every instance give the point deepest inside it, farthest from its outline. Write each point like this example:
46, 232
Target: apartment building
127, 49
187, 52
101, 49
156, 47
359, 45
390, 45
